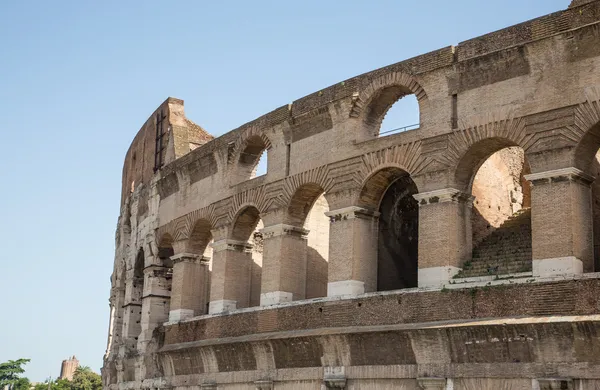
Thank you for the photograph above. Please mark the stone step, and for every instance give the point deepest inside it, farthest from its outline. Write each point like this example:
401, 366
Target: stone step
506, 250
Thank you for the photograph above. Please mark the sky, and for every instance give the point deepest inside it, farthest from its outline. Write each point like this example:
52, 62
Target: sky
79, 78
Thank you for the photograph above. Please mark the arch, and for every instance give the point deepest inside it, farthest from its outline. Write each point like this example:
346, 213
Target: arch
492, 170
587, 148
475, 155
200, 236
390, 191
246, 228
302, 202
247, 152
376, 184
245, 222
373, 101
165, 250
307, 209
138, 268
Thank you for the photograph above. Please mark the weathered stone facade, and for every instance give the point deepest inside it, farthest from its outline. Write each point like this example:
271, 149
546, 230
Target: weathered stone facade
459, 255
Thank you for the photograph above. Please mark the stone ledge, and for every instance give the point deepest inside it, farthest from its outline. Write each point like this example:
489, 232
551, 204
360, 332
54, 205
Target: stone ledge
454, 303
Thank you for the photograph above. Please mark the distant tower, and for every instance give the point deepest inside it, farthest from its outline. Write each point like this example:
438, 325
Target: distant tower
68, 367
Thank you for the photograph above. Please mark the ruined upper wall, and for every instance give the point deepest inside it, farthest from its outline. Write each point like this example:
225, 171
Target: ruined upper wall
181, 136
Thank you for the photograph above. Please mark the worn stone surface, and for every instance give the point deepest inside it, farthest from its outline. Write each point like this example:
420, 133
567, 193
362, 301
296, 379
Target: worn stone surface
295, 267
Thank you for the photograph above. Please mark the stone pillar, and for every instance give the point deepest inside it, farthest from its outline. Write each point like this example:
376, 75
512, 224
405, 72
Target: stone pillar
334, 377
284, 264
352, 251
432, 383
132, 309
553, 384
561, 222
155, 301
230, 283
190, 286
445, 237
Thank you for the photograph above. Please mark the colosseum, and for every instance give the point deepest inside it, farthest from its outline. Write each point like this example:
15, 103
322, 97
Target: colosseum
458, 254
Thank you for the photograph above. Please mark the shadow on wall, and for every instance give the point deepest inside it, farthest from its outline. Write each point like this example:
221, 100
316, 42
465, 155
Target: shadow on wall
316, 274
500, 190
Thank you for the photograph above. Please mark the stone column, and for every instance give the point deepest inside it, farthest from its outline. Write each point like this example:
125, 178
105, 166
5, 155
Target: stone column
553, 384
561, 222
230, 283
189, 291
432, 383
352, 251
155, 301
284, 264
445, 237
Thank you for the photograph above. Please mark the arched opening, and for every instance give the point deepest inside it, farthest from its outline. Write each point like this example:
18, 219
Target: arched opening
587, 158
391, 192
247, 229
501, 213
253, 159
392, 110
401, 116
134, 307
200, 244
307, 209
165, 252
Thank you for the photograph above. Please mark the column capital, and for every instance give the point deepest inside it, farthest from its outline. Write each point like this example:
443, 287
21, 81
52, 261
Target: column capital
432, 383
263, 384
442, 196
189, 258
558, 175
156, 270
283, 229
231, 245
352, 212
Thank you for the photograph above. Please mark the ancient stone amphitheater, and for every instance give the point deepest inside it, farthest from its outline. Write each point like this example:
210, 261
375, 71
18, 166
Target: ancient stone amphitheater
460, 254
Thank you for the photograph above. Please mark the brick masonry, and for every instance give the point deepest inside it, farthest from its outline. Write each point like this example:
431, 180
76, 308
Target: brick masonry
508, 121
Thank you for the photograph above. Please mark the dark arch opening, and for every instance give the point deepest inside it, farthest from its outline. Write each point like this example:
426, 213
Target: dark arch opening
391, 192
398, 240
135, 304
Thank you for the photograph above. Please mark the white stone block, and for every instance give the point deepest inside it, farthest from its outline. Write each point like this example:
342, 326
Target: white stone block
275, 297
180, 314
345, 287
569, 265
216, 307
436, 276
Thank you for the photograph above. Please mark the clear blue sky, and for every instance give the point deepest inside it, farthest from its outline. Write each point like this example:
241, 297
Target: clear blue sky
79, 78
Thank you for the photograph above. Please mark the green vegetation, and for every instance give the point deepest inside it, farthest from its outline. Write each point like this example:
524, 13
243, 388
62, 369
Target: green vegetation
83, 379
10, 375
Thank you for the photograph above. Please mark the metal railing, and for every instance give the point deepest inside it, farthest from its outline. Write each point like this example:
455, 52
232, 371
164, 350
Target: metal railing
400, 129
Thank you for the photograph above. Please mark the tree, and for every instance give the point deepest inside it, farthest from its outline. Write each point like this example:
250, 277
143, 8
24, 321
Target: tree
21, 384
59, 384
10, 372
86, 379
